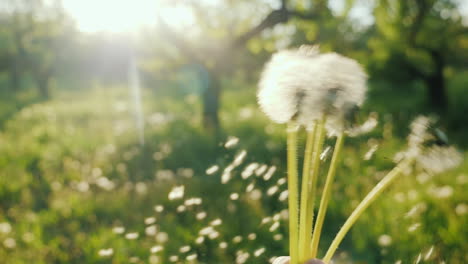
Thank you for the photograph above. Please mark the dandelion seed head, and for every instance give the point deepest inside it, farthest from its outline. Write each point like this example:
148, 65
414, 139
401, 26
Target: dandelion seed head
191, 257
307, 85
156, 249
234, 196
199, 240
158, 208
216, 222
5, 228
176, 193
184, 249
181, 208
278, 237
255, 194
223, 245
150, 220
213, 235
242, 257
252, 236
162, 237
283, 196
200, 215
272, 190
237, 239
9, 242
385, 240
438, 159
131, 236
461, 209
174, 258
151, 230
106, 252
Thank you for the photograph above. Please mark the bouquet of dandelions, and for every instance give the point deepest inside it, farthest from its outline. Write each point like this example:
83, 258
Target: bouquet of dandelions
321, 92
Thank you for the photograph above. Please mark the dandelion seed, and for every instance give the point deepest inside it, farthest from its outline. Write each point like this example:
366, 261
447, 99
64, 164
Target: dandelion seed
371, 152
154, 259
416, 210
252, 236
461, 209
181, 208
428, 254
223, 245
283, 196
216, 222
255, 194
105, 183
201, 215
438, 159
151, 230
156, 249
185, 172
118, 230
141, 188
242, 257
267, 176
237, 239
418, 259
199, 240
249, 170
260, 170
174, 258
414, 227
212, 169
259, 252
191, 257
206, 231
5, 228
234, 196
239, 158
325, 153
385, 240
162, 237
184, 249
278, 237
266, 220
281, 181
9, 242
250, 187
158, 208
164, 175
231, 142
106, 252
150, 220
193, 201
225, 177
131, 236
213, 235
443, 192
277, 217
274, 226
176, 193
272, 190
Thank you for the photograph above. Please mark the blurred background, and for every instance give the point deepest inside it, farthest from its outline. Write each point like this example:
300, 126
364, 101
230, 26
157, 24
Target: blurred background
130, 133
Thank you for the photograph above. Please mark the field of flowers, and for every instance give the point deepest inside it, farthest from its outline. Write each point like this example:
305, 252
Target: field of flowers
76, 186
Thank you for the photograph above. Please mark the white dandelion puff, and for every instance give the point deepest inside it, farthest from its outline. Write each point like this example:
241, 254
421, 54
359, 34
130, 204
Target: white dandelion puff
305, 85
106, 252
176, 193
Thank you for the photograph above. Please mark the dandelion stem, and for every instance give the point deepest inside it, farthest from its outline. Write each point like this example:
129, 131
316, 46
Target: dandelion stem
312, 184
371, 196
326, 195
293, 191
306, 173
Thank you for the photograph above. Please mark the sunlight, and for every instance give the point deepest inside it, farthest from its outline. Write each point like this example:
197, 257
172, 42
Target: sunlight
124, 15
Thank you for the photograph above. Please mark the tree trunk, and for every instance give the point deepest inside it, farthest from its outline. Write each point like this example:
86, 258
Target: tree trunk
43, 85
210, 98
435, 83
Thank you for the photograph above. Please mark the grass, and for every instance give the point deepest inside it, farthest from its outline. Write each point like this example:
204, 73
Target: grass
57, 160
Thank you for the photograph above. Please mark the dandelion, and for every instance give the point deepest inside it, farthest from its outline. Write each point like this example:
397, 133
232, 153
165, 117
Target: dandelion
176, 193
131, 236
106, 252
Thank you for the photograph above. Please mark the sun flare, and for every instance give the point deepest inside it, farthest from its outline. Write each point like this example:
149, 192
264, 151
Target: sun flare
123, 15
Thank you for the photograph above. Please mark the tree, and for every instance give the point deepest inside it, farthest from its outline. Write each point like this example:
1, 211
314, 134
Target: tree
223, 45
428, 35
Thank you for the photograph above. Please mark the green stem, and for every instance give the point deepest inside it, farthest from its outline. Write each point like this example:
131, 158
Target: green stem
373, 194
303, 235
326, 196
293, 191
312, 184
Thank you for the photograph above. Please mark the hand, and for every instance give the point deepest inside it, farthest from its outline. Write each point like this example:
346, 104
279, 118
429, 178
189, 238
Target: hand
285, 260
